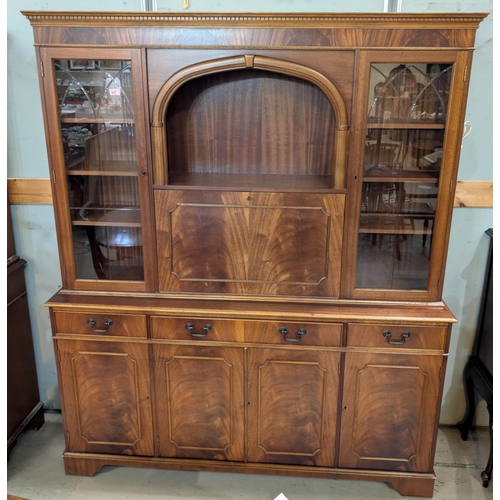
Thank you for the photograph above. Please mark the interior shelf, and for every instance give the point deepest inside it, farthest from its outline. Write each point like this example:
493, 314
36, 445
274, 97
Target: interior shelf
420, 125
109, 168
110, 120
430, 176
106, 217
250, 181
394, 224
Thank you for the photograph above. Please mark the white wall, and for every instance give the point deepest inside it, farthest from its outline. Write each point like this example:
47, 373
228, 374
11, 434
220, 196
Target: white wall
34, 225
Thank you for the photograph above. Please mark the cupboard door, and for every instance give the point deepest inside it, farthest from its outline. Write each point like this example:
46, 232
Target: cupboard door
106, 397
96, 121
292, 406
249, 242
199, 402
411, 113
389, 411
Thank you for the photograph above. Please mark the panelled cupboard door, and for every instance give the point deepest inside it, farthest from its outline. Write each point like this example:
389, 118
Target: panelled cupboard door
389, 410
199, 402
106, 397
249, 242
292, 406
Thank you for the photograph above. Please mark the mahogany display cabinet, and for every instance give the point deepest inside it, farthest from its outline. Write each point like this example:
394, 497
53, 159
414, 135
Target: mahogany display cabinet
253, 214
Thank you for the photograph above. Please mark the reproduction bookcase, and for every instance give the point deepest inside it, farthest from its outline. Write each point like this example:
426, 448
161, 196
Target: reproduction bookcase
253, 214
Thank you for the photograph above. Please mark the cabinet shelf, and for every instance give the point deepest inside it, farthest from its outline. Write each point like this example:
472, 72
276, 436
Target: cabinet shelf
105, 169
393, 224
250, 181
65, 119
426, 176
407, 126
110, 218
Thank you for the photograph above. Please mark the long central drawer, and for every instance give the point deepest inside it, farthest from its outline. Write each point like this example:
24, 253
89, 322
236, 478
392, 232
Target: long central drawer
286, 333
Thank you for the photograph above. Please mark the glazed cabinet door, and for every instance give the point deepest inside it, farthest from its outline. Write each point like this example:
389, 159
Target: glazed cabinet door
292, 406
199, 401
106, 397
410, 114
96, 126
389, 411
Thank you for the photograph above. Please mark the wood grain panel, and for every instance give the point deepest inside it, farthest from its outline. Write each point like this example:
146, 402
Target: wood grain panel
175, 328
263, 243
398, 396
122, 325
264, 332
263, 123
199, 397
106, 390
292, 406
421, 337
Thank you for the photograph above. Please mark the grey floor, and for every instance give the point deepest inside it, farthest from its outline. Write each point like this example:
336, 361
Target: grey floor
35, 471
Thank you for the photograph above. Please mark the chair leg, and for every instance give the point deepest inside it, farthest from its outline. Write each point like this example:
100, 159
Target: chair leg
465, 425
488, 472
426, 228
397, 250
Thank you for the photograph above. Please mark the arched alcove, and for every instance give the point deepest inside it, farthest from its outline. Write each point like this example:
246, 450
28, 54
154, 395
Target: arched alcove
252, 122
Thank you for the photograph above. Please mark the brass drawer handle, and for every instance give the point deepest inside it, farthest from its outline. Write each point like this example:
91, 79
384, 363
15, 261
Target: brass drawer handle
388, 336
190, 329
107, 324
300, 334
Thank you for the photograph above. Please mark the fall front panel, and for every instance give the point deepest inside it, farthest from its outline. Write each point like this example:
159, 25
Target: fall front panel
249, 242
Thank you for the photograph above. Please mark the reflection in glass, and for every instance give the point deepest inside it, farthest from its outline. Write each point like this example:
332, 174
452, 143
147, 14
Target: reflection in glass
98, 135
403, 154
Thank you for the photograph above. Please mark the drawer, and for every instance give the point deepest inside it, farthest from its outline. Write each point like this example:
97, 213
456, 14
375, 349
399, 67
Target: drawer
319, 334
394, 336
119, 325
196, 329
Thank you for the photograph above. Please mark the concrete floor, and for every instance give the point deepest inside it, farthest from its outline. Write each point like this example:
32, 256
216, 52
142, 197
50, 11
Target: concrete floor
35, 471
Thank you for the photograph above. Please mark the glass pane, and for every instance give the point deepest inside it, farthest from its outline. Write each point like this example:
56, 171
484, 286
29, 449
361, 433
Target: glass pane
402, 165
97, 125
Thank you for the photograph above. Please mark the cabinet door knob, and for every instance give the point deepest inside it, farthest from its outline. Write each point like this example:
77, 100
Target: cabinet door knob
388, 336
107, 324
190, 329
300, 334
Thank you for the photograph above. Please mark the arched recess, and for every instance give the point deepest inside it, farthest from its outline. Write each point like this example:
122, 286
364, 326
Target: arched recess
167, 91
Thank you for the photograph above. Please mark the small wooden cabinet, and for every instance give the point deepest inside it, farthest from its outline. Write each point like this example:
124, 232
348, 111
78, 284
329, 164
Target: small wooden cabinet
253, 213
24, 407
